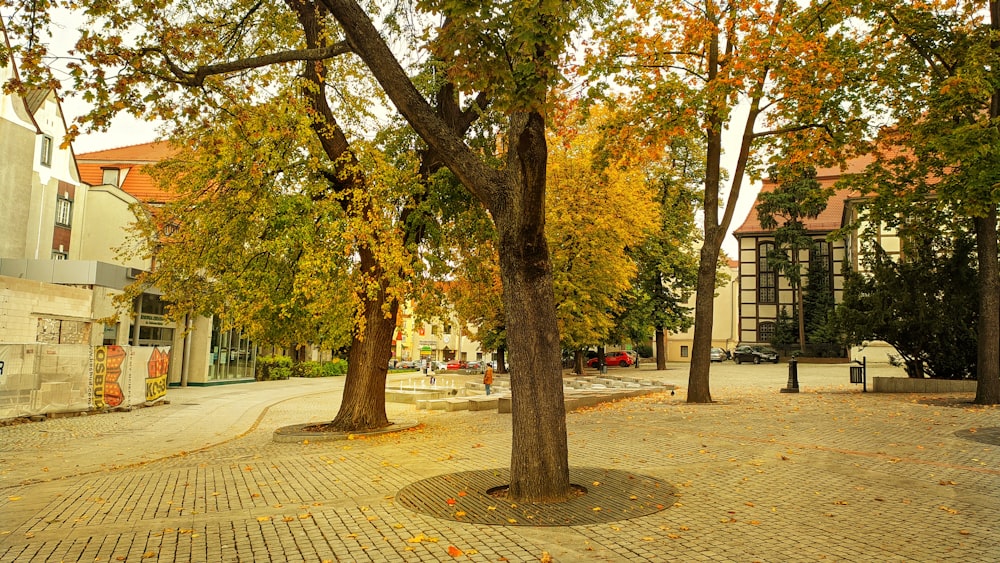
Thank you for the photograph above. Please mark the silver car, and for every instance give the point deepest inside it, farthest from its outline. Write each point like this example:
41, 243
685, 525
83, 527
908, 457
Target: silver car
718, 355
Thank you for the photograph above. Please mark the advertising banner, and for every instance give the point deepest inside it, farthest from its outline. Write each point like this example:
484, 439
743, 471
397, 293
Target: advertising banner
108, 381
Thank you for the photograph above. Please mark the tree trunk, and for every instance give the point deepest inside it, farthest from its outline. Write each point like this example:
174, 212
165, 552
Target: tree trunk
501, 360
988, 345
539, 468
578, 362
800, 301
661, 349
704, 311
363, 403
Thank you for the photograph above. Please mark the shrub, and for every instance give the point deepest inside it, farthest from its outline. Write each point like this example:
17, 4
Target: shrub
644, 350
271, 368
320, 369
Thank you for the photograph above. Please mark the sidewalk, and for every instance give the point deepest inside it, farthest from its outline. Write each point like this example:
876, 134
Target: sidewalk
828, 473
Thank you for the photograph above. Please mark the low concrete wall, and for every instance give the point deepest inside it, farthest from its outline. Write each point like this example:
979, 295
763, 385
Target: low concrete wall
913, 385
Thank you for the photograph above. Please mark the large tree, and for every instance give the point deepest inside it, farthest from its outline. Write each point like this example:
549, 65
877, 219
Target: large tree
937, 79
511, 51
768, 73
924, 303
600, 204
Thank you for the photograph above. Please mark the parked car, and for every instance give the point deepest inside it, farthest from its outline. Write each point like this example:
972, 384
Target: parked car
755, 354
455, 364
718, 355
620, 358
439, 366
476, 364
406, 364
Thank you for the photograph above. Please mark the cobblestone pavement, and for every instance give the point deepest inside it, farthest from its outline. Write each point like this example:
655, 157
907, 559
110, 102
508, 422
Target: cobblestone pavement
827, 474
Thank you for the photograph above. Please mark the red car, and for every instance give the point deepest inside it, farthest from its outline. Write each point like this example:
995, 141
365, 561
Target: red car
621, 359
455, 364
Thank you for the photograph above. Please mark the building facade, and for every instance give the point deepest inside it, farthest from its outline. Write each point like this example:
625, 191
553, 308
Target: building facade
763, 292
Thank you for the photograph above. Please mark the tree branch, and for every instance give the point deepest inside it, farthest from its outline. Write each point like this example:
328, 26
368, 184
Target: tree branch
196, 78
366, 41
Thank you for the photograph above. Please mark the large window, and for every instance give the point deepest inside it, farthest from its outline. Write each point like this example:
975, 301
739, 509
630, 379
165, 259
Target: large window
46, 156
232, 355
64, 211
767, 277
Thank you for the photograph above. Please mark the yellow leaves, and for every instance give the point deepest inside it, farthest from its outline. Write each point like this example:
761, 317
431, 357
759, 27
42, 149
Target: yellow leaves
149, 555
454, 551
263, 518
13, 499
421, 538
946, 483
948, 510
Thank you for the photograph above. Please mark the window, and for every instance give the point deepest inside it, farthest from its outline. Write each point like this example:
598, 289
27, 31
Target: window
46, 157
767, 277
684, 351
64, 211
57, 255
111, 177
765, 331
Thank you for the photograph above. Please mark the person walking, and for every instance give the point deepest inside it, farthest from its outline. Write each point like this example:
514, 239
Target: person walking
488, 378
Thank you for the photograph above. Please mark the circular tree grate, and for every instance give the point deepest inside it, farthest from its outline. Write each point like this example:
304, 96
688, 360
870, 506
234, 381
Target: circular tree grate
608, 495
989, 436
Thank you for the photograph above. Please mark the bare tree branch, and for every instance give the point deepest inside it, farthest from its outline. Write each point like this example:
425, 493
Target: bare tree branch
198, 75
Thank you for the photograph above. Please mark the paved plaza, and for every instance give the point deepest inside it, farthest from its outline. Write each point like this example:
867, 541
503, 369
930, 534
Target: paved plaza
827, 474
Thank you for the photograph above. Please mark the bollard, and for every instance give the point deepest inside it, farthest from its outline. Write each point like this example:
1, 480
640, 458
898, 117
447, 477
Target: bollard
793, 377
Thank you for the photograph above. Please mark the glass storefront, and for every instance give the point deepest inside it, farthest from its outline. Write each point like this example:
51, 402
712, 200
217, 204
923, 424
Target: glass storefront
232, 355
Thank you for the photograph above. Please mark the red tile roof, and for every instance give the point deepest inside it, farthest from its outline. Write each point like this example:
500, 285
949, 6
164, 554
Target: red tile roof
130, 160
831, 218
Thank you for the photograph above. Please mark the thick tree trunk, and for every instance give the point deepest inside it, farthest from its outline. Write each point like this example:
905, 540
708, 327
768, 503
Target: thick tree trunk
539, 468
988, 345
988, 353
704, 311
661, 349
578, 362
363, 404
501, 360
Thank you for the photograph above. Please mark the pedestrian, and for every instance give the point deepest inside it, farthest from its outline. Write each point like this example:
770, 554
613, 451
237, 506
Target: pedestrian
488, 377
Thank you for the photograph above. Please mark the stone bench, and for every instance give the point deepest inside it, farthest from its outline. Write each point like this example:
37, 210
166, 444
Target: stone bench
432, 404
456, 404
484, 403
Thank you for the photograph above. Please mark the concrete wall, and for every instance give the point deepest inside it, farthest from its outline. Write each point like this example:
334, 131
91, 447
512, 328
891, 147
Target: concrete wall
16, 152
913, 385
26, 305
104, 224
